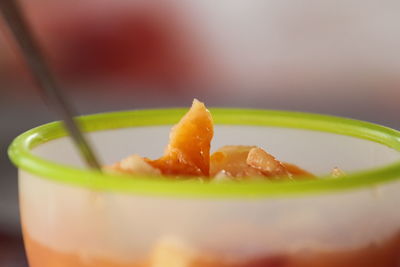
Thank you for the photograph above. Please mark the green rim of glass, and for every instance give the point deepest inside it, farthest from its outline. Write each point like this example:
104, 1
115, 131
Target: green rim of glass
20, 154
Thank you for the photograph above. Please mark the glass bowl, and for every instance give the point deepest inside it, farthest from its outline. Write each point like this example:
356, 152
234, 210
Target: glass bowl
74, 217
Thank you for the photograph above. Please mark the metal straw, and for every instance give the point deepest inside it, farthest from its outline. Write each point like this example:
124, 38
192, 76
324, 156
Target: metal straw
44, 79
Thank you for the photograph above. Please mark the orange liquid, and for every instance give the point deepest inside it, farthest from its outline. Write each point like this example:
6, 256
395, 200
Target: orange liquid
386, 254
42, 256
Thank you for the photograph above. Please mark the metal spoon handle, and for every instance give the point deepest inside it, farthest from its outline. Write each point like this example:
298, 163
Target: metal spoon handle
44, 79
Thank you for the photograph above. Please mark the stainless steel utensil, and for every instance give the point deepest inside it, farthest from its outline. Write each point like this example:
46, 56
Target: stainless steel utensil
44, 79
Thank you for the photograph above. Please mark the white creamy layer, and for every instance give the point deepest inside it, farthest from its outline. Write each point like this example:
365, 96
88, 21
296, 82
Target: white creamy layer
127, 227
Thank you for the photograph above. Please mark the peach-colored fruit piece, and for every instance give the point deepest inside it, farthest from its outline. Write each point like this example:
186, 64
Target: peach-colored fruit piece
266, 163
231, 160
188, 151
297, 172
133, 164
188, 154
247, 162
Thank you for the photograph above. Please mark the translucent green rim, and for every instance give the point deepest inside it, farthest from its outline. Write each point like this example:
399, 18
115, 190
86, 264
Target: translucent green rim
19, 153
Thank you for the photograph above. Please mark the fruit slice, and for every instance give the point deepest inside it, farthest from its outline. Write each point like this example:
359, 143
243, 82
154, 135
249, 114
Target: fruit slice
245, 162
133, 164
188, 151
297, 172
231, 161
188, 154
266, 163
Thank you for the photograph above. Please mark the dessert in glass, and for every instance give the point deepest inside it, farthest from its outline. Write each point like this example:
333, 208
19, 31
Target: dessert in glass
238, 206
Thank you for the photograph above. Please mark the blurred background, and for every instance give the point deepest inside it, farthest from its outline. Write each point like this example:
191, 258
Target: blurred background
333, 57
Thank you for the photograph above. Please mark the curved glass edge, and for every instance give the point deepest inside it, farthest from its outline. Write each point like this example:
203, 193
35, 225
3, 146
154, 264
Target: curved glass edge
19, 153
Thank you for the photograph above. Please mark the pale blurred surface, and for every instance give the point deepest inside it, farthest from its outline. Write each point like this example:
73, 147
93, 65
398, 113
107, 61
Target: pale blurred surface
334, 57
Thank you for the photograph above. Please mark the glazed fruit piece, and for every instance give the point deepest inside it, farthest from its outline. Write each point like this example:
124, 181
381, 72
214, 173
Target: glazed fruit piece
133, 164
188, 155
296, 171
251, 162
188, 151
